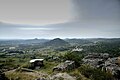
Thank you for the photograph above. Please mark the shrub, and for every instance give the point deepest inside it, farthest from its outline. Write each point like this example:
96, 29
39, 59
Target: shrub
74, 56
95, 74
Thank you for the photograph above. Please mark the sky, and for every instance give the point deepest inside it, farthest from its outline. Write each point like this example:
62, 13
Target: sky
35, 12
28, 19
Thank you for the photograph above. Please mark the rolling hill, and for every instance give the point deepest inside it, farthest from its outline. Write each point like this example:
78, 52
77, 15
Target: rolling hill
57, 42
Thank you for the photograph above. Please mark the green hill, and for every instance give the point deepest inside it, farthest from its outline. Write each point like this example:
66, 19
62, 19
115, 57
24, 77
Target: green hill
57, 42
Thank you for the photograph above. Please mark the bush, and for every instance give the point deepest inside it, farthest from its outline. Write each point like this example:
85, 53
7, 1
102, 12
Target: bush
74, 56
95, 74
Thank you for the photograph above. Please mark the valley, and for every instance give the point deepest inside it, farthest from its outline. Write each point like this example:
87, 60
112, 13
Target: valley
60, 59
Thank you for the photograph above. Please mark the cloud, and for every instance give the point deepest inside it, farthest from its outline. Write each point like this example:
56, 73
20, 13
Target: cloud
97, 10
92, 18
40, 12
33, 28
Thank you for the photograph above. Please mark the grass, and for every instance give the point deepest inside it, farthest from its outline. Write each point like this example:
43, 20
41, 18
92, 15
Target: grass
19, 76
77, 74
48, 67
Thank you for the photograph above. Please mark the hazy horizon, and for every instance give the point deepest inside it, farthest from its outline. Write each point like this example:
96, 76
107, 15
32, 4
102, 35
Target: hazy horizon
56, 37
49, 19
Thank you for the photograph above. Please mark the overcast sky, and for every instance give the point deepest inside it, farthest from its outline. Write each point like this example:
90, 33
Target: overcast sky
22, 19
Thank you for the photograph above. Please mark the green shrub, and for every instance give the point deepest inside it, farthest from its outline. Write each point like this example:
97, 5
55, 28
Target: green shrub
95, 74
74, 56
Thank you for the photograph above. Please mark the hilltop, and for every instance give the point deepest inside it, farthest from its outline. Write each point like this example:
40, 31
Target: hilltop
57, 42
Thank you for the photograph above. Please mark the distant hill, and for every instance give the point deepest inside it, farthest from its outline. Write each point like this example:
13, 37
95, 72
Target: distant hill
78, 41
57, 42
91, 40
22, 41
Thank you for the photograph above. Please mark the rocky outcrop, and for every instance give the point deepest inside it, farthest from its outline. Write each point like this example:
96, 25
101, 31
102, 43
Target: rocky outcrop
62, 76
67, 65
104, 62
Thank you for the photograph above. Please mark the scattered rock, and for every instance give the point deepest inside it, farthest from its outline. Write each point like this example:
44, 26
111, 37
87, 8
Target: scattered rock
62, 76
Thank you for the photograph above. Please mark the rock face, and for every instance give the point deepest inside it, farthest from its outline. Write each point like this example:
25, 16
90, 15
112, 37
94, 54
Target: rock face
104, 62
57, 42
